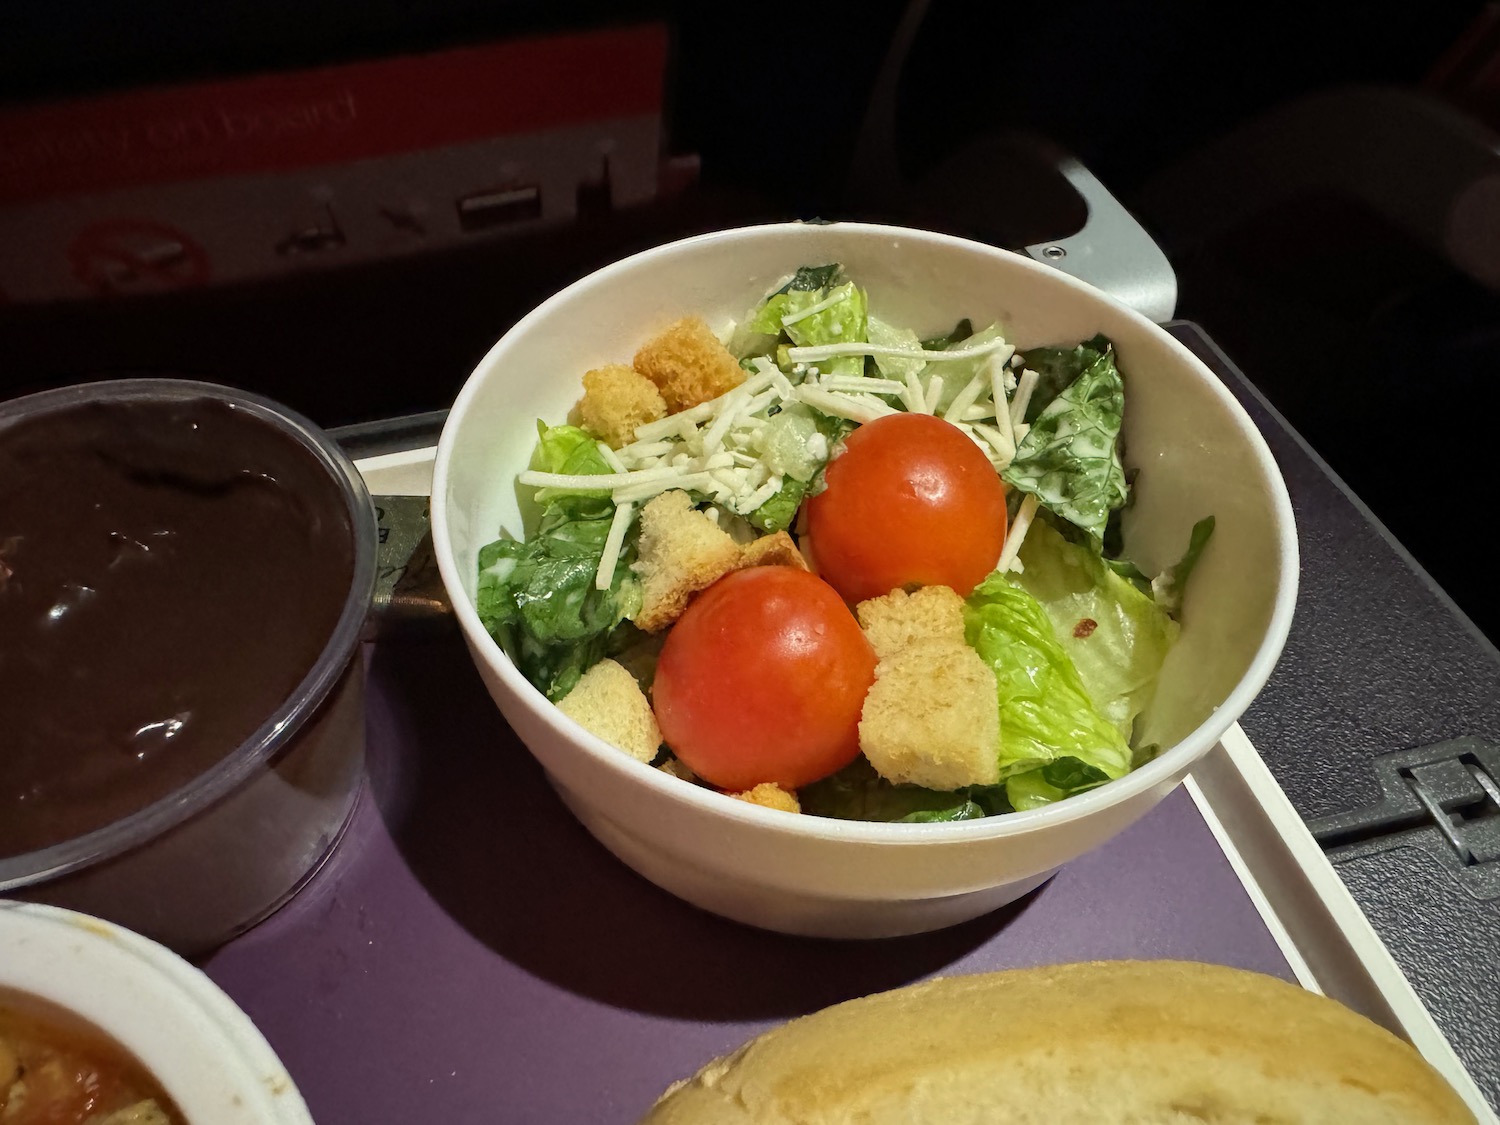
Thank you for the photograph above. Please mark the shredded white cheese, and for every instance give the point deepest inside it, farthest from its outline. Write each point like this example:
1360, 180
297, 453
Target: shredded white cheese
965, 398
1005, 449
1017, 533
915, 401
813, 310
934, 393
1022, 398
673, 423
861, 384
611, 459
840, 405
612, 544
592, 482
813, 353
716, 448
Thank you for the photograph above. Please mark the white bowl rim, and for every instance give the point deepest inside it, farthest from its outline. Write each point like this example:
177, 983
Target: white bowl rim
251, 1073
1158, 771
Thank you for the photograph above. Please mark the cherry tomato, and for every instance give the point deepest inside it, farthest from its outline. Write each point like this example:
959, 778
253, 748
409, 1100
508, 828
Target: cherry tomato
911, 501
762, 679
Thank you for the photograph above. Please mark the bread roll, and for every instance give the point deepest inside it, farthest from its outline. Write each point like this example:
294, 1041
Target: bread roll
1148, 1043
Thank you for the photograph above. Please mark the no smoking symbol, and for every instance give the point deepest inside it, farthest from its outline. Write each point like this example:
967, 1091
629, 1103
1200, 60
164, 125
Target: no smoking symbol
134, 255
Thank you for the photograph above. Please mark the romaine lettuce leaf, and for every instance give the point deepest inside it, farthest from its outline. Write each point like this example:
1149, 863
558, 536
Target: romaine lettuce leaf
1170, 586
812, 278
537, 598
956, 373
889, 336
1056, 370
857, 792
777, 513
1116, 636
961, 332
843, 322
574, 451
1052, 782
1070, 458
1045, 709
761, 329
790, 443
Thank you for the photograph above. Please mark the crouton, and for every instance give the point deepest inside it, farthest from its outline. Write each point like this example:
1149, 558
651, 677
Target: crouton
897, 619
932, 718
769, 795
607, 701
779, 549
617, 399
681, 551
688, 365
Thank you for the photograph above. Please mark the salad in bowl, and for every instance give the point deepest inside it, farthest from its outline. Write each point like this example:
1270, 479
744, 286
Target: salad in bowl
826, 565
848, 579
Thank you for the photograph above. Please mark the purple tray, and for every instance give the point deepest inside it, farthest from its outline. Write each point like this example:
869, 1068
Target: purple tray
470, 954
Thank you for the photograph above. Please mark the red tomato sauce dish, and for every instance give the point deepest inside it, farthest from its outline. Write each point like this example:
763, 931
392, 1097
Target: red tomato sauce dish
57, 1069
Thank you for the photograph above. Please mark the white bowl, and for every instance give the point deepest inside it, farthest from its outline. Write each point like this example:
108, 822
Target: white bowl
1197, 451
189, 1035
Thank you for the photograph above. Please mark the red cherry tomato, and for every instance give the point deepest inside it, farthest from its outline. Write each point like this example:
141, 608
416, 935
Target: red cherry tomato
911, 501
762, 679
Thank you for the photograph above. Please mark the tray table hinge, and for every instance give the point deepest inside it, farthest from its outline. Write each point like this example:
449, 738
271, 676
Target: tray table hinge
1452, 787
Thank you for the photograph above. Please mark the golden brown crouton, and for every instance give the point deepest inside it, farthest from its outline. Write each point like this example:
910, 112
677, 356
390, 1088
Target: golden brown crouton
771, 796
897, 619
932, 718
608, 701
779, 549
688, 364
681, 552
617, 399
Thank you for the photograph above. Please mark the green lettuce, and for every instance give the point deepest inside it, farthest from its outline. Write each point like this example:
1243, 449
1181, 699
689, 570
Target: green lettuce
760, 330
813, 278
787, 443
575, 452
1046, 712
857, 792
1170, 586
777, 513
889, 336
956, 373
1052, 782
1057, 368
845, 321
961, 332
1115, 636
1070, 458
538, 598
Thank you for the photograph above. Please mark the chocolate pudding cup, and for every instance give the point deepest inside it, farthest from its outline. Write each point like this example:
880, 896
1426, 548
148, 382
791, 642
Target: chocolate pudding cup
185, 570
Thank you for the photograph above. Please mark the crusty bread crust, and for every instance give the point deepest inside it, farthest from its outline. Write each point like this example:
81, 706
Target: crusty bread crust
1107, 1043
